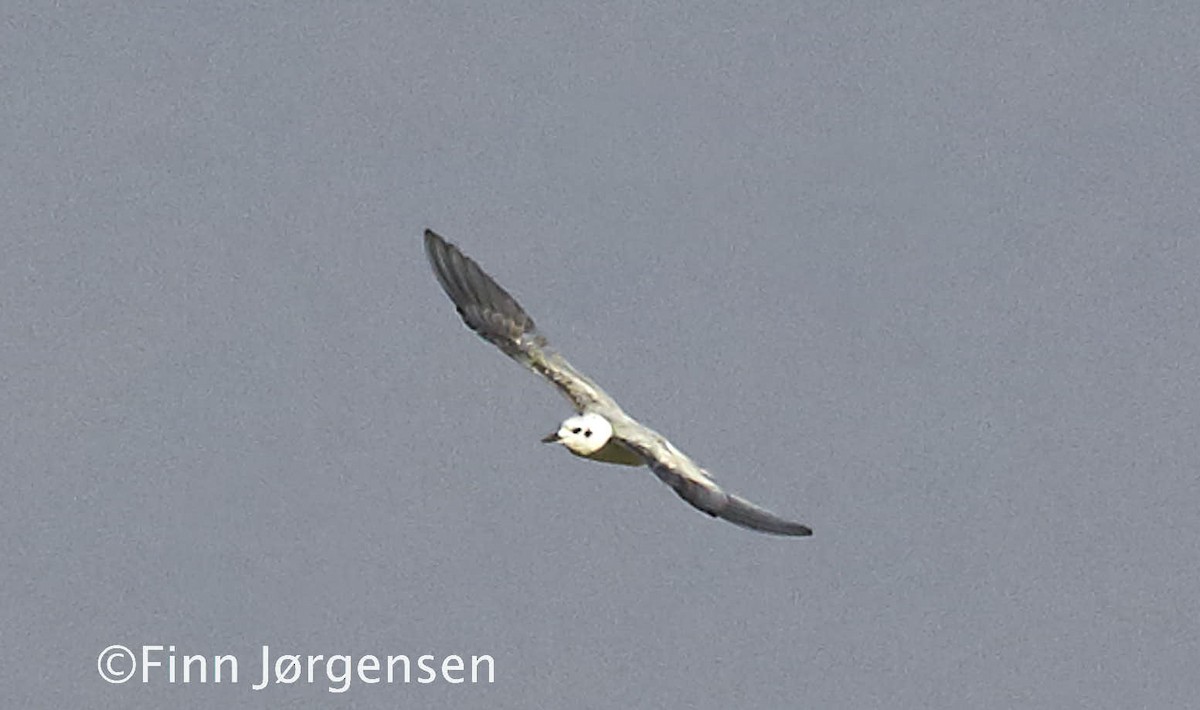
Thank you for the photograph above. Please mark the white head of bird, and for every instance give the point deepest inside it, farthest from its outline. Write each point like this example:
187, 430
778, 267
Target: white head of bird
583, 435
591, 436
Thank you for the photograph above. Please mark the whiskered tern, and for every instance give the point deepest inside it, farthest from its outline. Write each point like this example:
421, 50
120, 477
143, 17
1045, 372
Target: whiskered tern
601, 431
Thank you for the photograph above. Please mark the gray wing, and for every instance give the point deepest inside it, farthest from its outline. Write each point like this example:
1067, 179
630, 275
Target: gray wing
692, 483
496, 316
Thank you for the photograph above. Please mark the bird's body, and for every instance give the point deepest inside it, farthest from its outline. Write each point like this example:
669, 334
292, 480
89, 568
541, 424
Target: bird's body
601, 431
614, 452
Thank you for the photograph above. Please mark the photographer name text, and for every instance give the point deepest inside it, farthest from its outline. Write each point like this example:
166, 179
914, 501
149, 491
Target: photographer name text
152, 663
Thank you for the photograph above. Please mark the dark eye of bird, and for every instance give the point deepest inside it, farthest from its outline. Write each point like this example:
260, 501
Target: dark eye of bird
588, 432
575, 430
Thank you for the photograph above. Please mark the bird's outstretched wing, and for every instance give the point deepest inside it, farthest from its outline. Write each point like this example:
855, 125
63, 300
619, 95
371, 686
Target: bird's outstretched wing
692, 483
497, 317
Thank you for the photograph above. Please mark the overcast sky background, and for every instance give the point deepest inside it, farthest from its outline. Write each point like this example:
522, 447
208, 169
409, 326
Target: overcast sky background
925, 276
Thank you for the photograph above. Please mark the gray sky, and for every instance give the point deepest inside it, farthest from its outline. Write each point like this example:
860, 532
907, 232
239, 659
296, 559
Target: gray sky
923, 276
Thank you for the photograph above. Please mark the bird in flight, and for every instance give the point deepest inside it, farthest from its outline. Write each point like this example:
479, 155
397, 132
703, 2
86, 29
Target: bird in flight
600, 431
